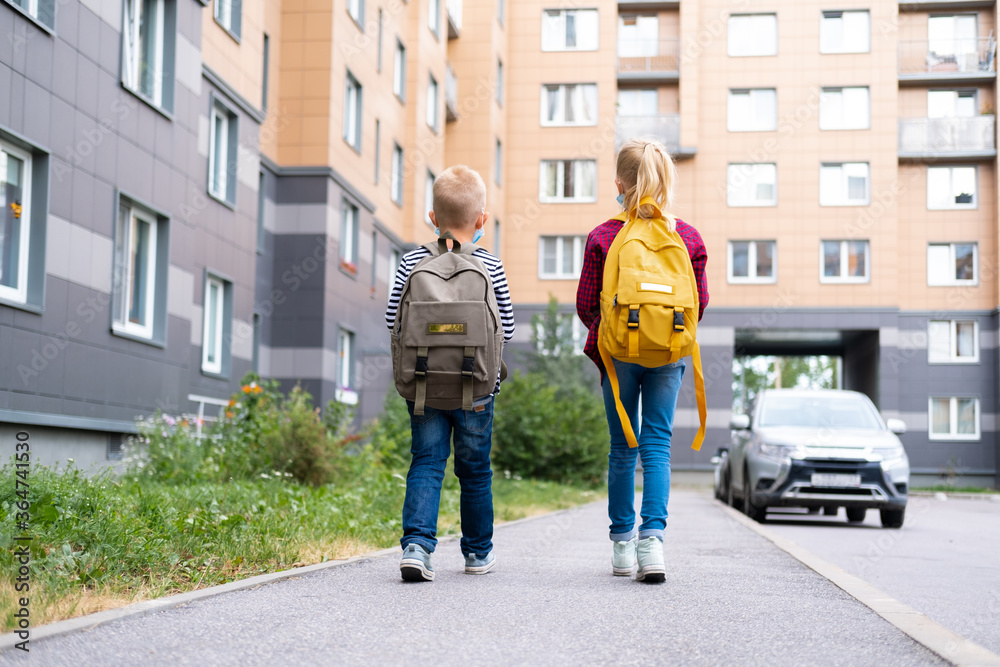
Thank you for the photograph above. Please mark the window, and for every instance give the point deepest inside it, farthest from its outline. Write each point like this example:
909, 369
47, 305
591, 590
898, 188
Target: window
222, 154
352, 112
498, 164
213, 334
951, 103
560, 257
374, 262
499, 82
845, 32
637, 101
501, 7
378, 63
752, 185
261, 211
569, 30
144, 43
496, 238
952, 341
378, 148
570, 335
136, 259
843, 184
345, 368
356, 8
15, 226
753, 35
752, 110
266, 83
349, 236
954, 39
569, 104
399, 71
844, 261
954, 418
393, 266
43, 11
396, 178
752, 261
568, 181
844, 109
952, 264
638, 36
432, 103
429, 197
951, 188
229, 15
434, 16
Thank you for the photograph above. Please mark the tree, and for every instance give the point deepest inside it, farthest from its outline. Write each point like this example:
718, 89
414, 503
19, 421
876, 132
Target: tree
753, 374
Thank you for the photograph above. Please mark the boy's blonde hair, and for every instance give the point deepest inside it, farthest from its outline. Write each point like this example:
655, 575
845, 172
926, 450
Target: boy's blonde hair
646, 170
459, 196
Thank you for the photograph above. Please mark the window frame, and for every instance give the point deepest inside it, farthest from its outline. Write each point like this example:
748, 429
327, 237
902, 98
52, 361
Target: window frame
952, 434
561, 104
434, 17
396, 177
234, 24
825, 123
433, 111
230, 148
845, 185
357, 109
399, 71
545, 199
346, 377
498, 163
952, 259
429, 197
731, 117
208, 367
499, 92
350, 230
120, 320
549, 47
739, 168
952, 342
19, 295
752, 263
578, 244
359, 17
266, 78
823, 15
729, 34
378, 148
131, 67
951, 183
845, 258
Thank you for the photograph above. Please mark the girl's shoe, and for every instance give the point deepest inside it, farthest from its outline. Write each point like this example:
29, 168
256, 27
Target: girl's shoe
623, 559
650, 555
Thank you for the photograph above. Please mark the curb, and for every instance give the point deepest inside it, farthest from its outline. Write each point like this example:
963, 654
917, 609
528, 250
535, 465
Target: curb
91, 621
988, 497
949, 645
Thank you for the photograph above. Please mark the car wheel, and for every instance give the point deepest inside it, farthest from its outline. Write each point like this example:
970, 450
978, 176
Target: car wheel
856, 514
756, 513
892, 518
731, 493
830, 511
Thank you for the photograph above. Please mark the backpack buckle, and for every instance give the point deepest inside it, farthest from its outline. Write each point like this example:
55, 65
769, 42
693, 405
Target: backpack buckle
421, 369
678, 319
468, 366
633, 317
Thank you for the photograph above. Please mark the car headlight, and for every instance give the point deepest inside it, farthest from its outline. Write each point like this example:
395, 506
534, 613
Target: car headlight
776, 452
889, 453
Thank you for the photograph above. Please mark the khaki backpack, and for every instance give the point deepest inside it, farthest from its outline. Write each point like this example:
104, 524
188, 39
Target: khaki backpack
649, 307
447, 338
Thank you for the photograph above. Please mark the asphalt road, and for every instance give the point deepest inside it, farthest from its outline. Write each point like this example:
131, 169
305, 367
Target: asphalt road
730, 598
944, 562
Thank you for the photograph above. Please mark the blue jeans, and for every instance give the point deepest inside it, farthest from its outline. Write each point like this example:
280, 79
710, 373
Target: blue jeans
432, 434
658, 388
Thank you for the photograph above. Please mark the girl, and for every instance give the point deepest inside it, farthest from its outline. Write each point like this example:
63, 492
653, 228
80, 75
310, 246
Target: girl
644, 169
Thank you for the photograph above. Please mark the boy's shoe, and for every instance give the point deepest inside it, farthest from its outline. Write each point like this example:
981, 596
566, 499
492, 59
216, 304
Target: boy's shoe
650, 556
479, 564
416, 564
623, 559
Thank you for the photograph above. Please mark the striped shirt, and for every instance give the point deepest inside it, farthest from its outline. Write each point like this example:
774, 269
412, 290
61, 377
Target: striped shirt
497, 276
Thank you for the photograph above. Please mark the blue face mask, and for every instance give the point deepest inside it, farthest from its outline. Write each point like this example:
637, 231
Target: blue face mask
621, 200
478, 235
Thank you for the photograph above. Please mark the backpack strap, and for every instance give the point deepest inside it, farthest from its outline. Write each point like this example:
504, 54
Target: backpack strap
468, 367
699, 390
421, 374
609, 367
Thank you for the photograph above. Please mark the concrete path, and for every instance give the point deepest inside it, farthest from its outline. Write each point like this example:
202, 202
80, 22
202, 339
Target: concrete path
731, 597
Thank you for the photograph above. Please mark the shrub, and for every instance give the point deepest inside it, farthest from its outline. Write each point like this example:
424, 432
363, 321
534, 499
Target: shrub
301, 445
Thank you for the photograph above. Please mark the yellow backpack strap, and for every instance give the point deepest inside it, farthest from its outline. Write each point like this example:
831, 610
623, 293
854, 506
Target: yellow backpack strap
699, 390
609, 367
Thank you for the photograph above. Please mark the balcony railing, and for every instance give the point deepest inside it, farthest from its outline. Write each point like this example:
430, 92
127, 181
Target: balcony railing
648, 57
451, 94
946, 136
454, 8
663, 126
948, 57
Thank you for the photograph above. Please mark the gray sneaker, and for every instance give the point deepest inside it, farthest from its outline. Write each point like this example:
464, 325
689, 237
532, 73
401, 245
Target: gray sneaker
623, 558
479, 564
650, 555
416, 564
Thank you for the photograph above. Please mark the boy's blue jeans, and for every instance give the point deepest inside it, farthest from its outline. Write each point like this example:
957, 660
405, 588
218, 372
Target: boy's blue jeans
658, 388
432, 433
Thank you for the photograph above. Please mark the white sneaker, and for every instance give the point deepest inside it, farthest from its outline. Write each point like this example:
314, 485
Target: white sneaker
650, 555
623, 560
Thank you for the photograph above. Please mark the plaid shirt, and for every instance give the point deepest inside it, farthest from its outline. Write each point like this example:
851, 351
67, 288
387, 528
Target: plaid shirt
588, 293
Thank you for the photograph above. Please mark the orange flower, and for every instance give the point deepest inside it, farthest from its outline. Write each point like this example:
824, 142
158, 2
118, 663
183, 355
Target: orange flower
229, 414
257, 389
232, 402
246, 389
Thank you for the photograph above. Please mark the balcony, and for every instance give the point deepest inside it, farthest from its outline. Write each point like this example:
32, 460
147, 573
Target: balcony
948, 61
945, 139
943, 5
664, 126
450, 94
454, 8
649, 61
647, 5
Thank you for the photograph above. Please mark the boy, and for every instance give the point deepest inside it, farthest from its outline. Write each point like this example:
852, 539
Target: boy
459, 208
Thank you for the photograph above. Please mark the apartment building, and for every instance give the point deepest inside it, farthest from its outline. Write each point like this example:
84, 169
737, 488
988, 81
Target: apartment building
196, 189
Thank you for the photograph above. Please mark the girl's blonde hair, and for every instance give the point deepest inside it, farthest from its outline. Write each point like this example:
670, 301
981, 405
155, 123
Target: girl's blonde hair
646, 170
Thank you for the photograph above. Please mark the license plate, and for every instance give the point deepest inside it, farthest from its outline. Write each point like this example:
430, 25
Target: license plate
828, 479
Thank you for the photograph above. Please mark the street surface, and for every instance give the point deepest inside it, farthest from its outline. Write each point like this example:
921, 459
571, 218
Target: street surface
944, 562
730, 598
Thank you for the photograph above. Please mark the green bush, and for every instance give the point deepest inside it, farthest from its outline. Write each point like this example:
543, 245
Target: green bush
301, 445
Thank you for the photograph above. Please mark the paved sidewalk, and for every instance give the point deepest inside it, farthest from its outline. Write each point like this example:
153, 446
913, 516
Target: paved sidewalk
731, 597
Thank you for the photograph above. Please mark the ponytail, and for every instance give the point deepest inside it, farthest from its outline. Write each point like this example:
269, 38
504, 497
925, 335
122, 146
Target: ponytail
646, 170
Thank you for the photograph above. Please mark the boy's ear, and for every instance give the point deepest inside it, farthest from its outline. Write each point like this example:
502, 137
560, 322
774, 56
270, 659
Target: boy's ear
481, 220
433, 218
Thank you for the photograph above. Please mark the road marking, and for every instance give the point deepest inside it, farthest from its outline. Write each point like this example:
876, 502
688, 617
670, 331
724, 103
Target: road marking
950, 645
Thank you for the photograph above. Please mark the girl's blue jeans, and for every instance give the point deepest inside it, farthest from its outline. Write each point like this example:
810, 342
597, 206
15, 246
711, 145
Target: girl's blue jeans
658, 389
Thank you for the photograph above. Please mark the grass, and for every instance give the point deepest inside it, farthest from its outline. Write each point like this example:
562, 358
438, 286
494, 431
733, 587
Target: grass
954, 489
101, 542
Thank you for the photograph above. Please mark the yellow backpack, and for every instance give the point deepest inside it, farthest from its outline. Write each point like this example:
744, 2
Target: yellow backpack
649, 307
